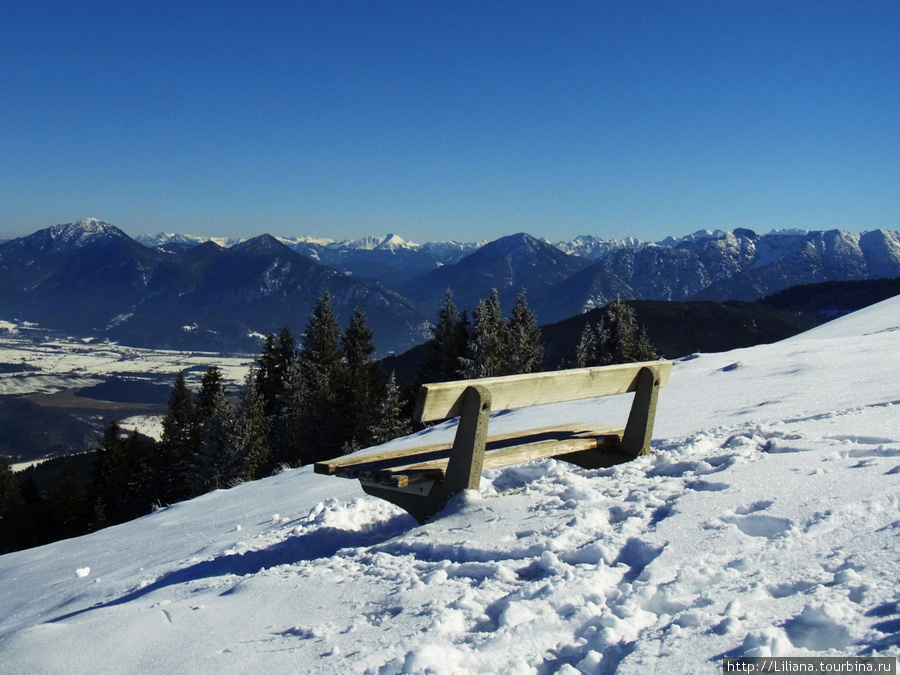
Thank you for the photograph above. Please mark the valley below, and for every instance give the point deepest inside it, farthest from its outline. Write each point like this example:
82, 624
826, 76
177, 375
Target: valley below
58, 392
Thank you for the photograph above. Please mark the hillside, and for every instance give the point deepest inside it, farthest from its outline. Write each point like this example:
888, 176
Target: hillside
766, 523
678, 329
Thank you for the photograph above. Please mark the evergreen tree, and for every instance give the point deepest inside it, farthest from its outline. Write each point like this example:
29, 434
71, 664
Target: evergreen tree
325, 373
267, 370
122, 485
286, 425
272, 367
248, 453
389, 422
141, 494
109, 478
181, 437
448, 345
363, 383
645, 349
207, 469
488, 344
15, 519
65, 512
621, 341
211, 396
524, 349
34, 507
587, 353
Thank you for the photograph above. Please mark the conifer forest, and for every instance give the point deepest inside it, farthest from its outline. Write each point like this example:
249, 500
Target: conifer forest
303, 401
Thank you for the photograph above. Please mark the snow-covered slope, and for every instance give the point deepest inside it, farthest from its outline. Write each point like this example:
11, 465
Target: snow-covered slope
766, 523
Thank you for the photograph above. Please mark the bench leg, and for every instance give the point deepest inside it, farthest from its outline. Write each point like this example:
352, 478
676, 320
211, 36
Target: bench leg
467, 455
639, 429
416, 503
463, 468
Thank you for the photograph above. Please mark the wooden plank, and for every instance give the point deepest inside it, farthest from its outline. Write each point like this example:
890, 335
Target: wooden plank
359, 461
402, 480
535, 446
497, 459
443, 400
331, 466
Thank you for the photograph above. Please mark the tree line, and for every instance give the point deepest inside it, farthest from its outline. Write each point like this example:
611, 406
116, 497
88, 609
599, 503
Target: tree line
300, 403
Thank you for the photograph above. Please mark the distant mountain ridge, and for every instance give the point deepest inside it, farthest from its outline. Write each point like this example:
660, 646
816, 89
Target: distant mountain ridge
90, 277
191, 292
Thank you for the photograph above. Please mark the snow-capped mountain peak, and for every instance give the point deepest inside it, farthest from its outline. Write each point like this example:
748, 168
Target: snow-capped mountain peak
61, 238
381, 242
82, 231
163, 238
593, 248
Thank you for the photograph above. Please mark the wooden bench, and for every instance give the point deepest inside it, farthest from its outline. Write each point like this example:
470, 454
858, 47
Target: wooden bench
422, 479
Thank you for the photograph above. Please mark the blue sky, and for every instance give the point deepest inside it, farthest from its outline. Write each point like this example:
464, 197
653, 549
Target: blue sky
450, 120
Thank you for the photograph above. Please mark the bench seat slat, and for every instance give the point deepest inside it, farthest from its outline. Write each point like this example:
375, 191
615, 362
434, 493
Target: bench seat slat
347, 462
349, 466
537, 444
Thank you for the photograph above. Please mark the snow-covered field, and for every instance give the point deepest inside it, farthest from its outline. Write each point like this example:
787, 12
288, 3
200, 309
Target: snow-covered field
766, 523
48, 365
31, 362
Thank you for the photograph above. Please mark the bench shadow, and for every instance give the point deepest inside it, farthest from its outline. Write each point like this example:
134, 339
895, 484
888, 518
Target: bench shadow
316, 544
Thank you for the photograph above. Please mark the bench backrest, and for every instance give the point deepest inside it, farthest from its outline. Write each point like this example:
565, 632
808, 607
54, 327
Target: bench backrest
443, 400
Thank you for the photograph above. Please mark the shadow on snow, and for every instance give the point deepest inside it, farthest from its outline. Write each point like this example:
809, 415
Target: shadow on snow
315, 544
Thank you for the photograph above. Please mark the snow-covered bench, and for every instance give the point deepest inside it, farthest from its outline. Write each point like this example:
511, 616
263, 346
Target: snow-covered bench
421, 480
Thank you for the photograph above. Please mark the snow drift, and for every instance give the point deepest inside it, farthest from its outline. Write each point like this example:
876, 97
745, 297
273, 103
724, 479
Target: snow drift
766, 523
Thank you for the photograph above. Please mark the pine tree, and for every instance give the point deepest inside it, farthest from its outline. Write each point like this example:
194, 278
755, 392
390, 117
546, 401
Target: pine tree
587, 353
211, 396
621, 340
34, 509
140, 495
321, 351
248, 453
325, 373
389, 422
122, 485
207, 467
524, 348
488, 343
109, 479
448, 345
15, 519
645, 349
181, 437
272, 366
363, 384
65, 512
267, 370
285, 435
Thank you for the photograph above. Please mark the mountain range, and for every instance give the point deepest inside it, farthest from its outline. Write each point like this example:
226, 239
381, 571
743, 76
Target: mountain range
185, 292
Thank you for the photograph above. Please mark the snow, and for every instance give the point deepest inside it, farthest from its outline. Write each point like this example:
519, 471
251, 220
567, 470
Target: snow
148, 425
766, 523
56, 364
162, 238
384, 242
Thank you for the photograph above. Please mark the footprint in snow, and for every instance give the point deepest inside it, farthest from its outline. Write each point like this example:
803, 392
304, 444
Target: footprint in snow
759, 525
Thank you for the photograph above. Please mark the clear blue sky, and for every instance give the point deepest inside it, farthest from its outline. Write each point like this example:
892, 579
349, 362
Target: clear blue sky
450, 119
